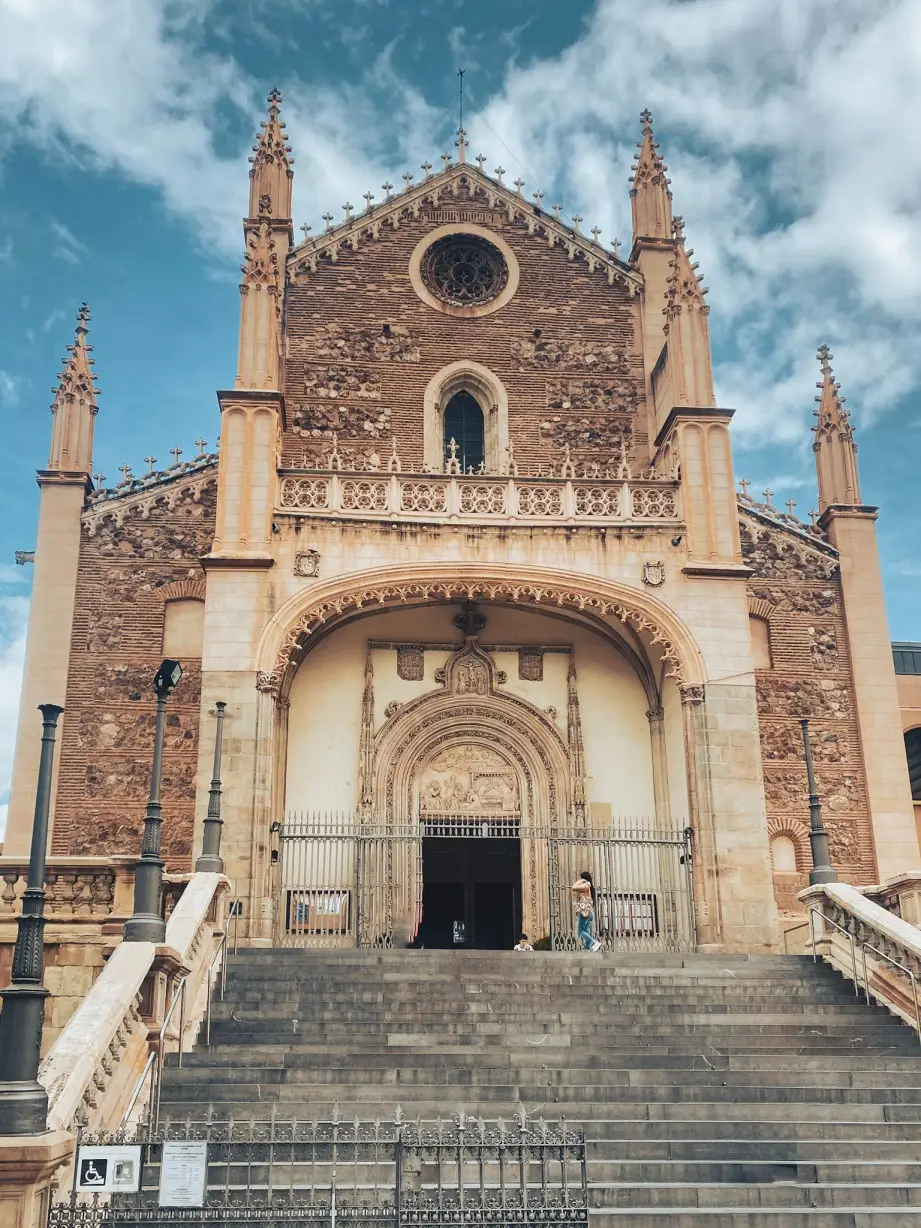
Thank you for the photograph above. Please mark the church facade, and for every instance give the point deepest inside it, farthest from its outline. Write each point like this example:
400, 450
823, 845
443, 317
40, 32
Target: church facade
471, 561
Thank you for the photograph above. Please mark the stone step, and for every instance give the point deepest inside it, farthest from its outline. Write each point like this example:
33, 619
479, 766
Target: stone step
857, 1216
779, 1195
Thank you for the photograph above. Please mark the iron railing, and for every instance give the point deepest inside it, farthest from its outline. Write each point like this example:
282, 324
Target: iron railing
444, 1174
342, 882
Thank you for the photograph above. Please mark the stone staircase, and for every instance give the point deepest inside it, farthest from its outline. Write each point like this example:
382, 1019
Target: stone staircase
713, 1090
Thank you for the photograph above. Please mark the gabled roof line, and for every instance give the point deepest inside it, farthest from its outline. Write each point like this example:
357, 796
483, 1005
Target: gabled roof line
777, 520
368, 224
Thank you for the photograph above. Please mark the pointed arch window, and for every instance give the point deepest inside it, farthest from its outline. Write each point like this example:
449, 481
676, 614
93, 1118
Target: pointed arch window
913, 753
464, 423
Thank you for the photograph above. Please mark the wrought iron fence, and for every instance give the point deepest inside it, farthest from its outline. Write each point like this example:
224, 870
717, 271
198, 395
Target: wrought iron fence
342, 882
445, 1174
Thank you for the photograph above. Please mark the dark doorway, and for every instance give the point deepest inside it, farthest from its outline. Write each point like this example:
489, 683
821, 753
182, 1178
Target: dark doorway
464, 424
471, 893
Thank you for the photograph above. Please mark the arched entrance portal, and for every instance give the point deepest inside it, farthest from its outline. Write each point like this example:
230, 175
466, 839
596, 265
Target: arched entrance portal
471, 772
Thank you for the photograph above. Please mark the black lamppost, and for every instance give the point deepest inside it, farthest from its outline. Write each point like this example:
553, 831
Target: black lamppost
23, 1100
822, 870
146, 924
210, 861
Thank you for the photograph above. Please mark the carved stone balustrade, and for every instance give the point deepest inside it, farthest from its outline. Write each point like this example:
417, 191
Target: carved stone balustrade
478, 498
80, 890
878, 950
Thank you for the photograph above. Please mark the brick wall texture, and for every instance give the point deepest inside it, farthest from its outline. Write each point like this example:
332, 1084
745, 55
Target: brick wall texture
126, 572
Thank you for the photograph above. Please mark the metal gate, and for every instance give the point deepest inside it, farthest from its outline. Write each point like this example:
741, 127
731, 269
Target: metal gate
445, 1174
344, 882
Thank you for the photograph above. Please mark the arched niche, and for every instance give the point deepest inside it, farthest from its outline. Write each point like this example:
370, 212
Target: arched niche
484, 387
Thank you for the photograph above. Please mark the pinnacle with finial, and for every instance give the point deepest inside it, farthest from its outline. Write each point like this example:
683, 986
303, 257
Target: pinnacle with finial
499, 172
678, 230
479, 160
556, 211
367, 197
175, 453
306, 229
595, 232
446, 159
768, 494
347, 208
576, 220
538, 197
427, 167
407, 180
745, 483
388, 188
616, 245
824, 355
328, 219
201, 444
790, 505
98, 479
519, 184
125, 471
646, 121
150, 461
461, 144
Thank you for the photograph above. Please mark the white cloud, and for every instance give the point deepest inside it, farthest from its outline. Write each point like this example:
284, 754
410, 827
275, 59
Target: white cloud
9, 389
14, 613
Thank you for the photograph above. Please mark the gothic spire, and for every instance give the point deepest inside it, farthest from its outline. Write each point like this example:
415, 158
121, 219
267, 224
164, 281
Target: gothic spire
686, 326
834, 446
271, 175
74, 407
650, 195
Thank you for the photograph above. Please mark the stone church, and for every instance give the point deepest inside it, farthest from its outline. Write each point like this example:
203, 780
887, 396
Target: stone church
475, 578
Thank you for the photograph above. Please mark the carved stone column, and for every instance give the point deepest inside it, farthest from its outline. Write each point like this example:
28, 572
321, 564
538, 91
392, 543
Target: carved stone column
704, 864
664, 819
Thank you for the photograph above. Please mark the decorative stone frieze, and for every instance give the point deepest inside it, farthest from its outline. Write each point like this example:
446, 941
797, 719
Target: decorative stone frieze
611, 396
387, 343
350, 421
568, 355
341, 382
799, 598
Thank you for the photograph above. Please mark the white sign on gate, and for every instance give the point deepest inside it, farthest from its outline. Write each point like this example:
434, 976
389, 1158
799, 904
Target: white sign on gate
183, 1173
108, 1170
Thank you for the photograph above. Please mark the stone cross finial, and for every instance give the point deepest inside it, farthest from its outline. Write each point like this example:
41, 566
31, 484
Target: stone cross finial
388, 188
328, 219
790, 505
99, 478
125, 471
745, 483
646, 121
175, 453
367, 197
407, 180
446, 159
201, 444
814, 515
427, 167
519, 184
576, 219
479, 160
556, 211
824, 355
616, 245
538, 197
595, 232
768, 493
83, 316
499, 172
306, 229
348, 206
150, 461
678, 228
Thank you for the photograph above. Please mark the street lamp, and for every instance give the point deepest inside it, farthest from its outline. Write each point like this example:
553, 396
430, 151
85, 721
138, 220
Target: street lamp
146, 924
210, 861
23, 1100
822, 870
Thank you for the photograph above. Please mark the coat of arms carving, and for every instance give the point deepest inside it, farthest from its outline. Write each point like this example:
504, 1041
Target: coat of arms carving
410, 662
307, 563
654, 574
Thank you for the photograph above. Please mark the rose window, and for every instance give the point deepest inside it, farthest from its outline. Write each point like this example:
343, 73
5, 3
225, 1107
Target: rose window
464, 270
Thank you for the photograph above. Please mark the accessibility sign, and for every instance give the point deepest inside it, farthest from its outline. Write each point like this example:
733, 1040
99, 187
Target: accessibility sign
114, 1169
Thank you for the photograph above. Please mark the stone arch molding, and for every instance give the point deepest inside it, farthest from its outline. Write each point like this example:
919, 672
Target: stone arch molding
311, 610
466, 376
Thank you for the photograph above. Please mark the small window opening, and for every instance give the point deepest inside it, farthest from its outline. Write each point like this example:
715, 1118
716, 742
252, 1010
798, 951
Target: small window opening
463, 421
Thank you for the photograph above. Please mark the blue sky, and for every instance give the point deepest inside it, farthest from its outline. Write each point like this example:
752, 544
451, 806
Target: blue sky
788, 128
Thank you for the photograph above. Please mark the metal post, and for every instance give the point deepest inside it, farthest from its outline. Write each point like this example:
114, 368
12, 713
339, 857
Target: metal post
210, 861
822, 870
146, 924
23, 1100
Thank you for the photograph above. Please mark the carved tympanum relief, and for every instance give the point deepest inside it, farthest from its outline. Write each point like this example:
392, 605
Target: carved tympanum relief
469, 778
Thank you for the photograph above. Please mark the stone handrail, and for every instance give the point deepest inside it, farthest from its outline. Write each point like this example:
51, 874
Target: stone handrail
478, 498
91, 1070
876, 949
